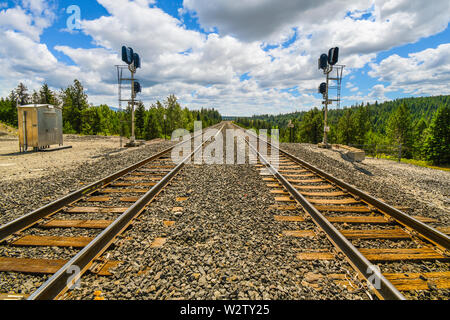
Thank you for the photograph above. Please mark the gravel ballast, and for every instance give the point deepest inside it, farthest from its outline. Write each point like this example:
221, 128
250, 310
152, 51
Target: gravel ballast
424, 191
224, 244
21, 196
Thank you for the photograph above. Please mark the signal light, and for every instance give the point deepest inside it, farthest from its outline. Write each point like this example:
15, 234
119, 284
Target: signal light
323, 88
127, 55
137, 61
333, 56
323, 61
137, 87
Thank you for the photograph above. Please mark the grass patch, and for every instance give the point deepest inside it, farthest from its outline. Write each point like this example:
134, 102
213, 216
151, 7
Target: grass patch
7, 129
419, 163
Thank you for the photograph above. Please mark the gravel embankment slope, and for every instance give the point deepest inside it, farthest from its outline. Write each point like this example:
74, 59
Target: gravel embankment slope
425, 191
20, 196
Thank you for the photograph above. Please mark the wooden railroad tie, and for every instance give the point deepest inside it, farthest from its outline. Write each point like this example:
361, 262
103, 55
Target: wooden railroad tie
82, 224
129, 199
52, 241
305, 181
313, 256
99, 199
349, 209
419, 254
333, 201
300, 233
95, 210
129, 184
142, 178
109, 190
45, 266
419, 281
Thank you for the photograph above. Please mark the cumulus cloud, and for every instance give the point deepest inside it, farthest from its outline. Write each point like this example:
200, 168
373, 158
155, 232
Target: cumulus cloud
424, 73
378, 93
31, 17
206, 69
147, 29
389, 23
266, 20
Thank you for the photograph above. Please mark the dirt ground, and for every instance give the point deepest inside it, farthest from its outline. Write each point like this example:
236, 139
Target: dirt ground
15, 166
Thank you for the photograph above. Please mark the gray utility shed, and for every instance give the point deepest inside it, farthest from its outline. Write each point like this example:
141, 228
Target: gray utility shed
40, 126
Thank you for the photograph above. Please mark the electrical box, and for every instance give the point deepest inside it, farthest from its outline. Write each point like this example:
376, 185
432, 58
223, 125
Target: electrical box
40, 126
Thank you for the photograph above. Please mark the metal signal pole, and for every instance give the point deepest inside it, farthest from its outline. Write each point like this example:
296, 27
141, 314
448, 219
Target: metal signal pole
325, 120
327, 63
133, 96
133, 61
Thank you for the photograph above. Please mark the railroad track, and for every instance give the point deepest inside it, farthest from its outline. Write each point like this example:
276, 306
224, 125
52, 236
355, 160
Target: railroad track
361, 227
99, 213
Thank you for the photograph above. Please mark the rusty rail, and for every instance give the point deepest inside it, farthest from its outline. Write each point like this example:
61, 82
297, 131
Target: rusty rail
386, 290
33, 217
60, 282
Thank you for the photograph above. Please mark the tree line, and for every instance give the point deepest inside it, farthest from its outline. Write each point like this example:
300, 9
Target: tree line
80, 117
420, 127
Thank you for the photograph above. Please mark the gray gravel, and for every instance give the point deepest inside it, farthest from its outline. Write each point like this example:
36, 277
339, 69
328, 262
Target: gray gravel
423, 190
19, 198
224, 245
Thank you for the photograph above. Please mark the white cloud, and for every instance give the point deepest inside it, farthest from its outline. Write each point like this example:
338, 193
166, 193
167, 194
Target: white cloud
147, 29
423, 73
334, 23
205, 69
31, 18
266, 20
378, 93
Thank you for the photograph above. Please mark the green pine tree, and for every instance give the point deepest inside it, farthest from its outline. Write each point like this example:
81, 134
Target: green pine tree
46, 96
152, 126
399, 129
139, 120
346, 128
437, 143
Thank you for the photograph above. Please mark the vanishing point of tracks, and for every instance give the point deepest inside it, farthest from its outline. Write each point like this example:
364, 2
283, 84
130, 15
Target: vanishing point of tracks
357, 224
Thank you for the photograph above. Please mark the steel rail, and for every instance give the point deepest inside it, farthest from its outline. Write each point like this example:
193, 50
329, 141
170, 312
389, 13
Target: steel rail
430, 233
435, 236
386, 289
33, 217
63, 279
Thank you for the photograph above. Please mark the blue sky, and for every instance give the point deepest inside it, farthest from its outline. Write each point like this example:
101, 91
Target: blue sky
244, 57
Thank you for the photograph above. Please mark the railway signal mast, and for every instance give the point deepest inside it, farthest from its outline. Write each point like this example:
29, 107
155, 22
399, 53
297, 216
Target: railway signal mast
328, 63
133, 62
